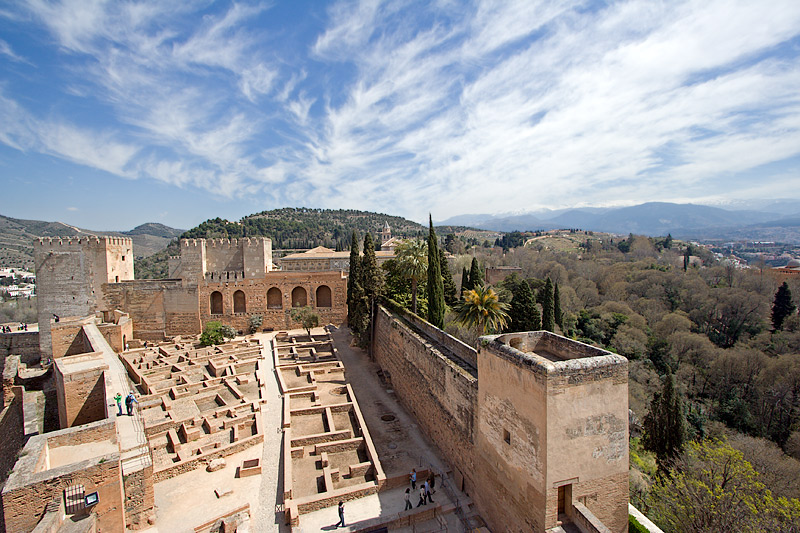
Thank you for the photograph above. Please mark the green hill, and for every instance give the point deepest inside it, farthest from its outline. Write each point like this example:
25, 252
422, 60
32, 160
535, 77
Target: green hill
302, 228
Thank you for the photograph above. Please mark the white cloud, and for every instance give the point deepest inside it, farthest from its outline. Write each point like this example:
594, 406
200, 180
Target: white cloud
447, 107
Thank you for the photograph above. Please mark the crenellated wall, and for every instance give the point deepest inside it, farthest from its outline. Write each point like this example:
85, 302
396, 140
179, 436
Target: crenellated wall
70, 274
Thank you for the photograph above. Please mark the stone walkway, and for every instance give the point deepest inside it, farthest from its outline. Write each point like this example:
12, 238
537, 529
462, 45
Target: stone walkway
134, 451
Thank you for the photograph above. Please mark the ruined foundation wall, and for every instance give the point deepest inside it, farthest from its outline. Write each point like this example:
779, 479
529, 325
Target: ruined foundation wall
442, 396
139, 498
12, 432
22, 343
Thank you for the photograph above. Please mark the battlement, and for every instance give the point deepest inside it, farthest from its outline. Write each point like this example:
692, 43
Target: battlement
76, 243
245, 242
230, 275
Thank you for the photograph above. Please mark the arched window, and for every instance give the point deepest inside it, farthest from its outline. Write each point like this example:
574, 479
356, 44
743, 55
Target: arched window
216, 303
323, 296
274, 298
239, 302
299, 297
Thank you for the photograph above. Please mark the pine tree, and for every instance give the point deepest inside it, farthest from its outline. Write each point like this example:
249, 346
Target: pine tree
475, 274
557, 314
782, 306
436, 304
464, 282
548, 309
665, 424
354, 276
524, 312
447, 280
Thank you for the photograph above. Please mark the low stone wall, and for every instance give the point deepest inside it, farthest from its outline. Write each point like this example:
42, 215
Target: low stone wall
22, 343
441, 394
139, 498
586, 521
12, 432
191, 464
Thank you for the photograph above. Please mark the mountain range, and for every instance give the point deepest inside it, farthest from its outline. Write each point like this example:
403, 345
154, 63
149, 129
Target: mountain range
16, 238
777, 220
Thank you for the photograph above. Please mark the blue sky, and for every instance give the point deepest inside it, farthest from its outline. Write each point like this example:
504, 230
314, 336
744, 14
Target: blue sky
117, 113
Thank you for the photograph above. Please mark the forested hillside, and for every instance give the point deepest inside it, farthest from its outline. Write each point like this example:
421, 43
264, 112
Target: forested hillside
714, 375
302, 228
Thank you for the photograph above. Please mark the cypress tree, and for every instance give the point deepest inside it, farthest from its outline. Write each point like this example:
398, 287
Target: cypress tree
665, 424
524, 312
371, 282
475, 274
435, 286
447, 280
464, 282
353, 278
782, 306
557, 315
548, 310
371, 276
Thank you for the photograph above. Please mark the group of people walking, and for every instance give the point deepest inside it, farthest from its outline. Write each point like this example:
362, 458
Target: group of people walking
425, 490
8, 329
130, 399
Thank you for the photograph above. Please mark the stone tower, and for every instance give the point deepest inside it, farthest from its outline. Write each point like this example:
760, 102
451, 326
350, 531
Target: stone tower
70, 274
386, 233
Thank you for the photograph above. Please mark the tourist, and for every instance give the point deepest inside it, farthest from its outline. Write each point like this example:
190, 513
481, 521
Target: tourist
422, 497
341, 515
118, 399
432, 481
427, 487
413, 479
129, 403
408, 500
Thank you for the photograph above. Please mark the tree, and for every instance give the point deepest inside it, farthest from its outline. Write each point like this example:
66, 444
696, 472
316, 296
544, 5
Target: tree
436, 304
371, 278
412, 258
255, 323
482, 308
713, 488
782, 306
548, 308
475, 274
464, 282
447, 280
558, 316
371, 283
305, 316
354, 276
665, 424
216, 333
524, 313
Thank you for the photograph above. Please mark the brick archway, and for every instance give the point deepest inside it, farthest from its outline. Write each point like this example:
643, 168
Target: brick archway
299, 297
324, 296
239, 302
216, 303
274, 298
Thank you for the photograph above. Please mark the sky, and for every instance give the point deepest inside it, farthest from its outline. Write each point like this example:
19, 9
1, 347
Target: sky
116, 113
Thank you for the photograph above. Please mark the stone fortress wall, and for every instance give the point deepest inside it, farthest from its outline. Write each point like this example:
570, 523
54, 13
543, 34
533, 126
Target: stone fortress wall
537, 433
71, 273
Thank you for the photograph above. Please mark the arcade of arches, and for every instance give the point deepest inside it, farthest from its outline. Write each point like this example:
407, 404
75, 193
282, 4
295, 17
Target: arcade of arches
272, 297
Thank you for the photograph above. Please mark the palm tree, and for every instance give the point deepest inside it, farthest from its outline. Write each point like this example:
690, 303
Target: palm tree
482, 307
412, 257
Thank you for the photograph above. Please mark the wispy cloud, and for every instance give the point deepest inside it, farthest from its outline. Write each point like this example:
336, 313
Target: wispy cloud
446, 107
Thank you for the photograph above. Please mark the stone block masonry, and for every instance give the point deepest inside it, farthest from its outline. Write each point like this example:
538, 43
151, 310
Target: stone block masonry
437, 390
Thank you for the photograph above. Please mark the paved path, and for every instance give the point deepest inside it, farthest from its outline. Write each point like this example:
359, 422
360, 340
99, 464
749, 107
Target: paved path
133, 446
264, 518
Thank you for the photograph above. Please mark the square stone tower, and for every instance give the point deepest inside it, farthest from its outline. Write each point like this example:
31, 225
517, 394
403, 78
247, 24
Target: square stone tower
70, 274
552, 432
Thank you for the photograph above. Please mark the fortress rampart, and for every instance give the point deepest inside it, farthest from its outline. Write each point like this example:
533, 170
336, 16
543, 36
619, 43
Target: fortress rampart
539, 429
